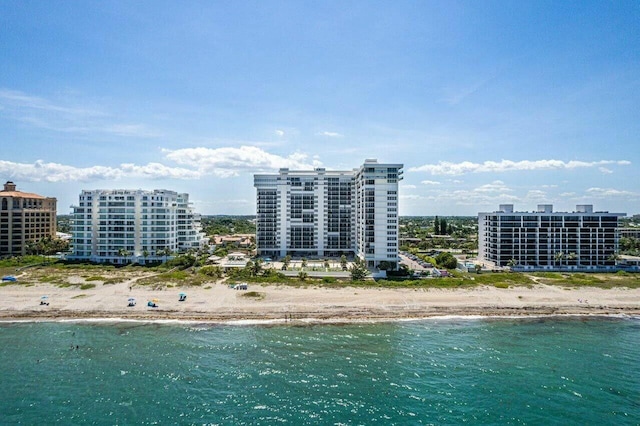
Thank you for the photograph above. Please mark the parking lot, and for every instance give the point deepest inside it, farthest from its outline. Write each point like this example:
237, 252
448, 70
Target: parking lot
414, 262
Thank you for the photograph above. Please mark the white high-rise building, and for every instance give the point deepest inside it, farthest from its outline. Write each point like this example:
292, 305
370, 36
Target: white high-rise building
323, 213
144, 223
548, 240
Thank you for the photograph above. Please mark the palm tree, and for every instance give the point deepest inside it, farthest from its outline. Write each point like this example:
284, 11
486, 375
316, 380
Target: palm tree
326, 264
343, 262
124, 253
257, 267
614, 258
165, 252
285, 262
512, 262
558, 257
572, 256
145, 254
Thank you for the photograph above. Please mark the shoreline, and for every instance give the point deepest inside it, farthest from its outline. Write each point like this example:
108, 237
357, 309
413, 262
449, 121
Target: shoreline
283, 305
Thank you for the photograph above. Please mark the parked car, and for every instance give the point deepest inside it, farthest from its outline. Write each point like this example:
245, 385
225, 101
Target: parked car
241, 286
9, 278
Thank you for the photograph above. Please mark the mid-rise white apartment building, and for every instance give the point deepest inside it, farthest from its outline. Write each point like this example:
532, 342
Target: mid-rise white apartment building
325, 213
144, 223
548, 240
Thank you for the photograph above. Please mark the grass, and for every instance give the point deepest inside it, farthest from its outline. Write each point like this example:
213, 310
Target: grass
80, 296
577, 280
87, 286
58, 273
253, 295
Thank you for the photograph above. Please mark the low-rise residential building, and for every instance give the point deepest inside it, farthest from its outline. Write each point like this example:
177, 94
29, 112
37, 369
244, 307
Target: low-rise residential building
122, 226
24, 218
548, 240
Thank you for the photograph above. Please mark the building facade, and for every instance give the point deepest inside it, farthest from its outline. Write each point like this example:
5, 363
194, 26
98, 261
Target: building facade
324, 213
147, 225
24, 218
548, 240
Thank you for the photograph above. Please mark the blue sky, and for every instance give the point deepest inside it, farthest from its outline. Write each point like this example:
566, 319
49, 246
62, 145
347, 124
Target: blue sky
484, 102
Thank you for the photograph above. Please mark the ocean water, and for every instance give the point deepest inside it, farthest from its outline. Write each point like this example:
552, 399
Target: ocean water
538, 371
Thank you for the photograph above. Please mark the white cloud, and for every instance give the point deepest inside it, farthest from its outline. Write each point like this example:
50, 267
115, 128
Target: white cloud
495, 186
14, 99
61, 116
197, 163
408, 187
279, 132
536, 194
55, 172
231, 161
330, 134
609, 192
448, 168
567, 194
605, 171
430, 182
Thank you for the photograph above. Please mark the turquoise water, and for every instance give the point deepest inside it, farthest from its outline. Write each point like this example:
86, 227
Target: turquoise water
507, 371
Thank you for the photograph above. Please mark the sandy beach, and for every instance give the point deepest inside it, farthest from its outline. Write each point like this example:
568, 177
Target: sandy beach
280, 303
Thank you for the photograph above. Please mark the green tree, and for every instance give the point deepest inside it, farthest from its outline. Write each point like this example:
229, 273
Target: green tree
436, 226
558, 258
326, 264
285, 262
145, 254
124, 253
443, 226
343, 262
385, 265
211, 271
164, 252
304, 262
257, 267
446, 260
358, 270
303, 275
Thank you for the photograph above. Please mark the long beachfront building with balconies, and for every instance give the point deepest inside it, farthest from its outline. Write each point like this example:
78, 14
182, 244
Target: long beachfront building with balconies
547, 240
325, 213
119, 226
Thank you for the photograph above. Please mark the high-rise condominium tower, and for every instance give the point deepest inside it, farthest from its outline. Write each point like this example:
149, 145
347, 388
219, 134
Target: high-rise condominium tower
24, 217
325, 213
146, 224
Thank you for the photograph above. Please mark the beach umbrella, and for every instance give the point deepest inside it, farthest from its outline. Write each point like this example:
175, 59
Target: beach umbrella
131, 299
182, 294
154, 300
44, 297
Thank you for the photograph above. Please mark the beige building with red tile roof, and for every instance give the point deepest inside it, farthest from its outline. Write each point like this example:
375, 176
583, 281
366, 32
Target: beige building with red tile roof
24, 217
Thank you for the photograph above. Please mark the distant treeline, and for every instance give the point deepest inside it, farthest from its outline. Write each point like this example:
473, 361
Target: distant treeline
227, 225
